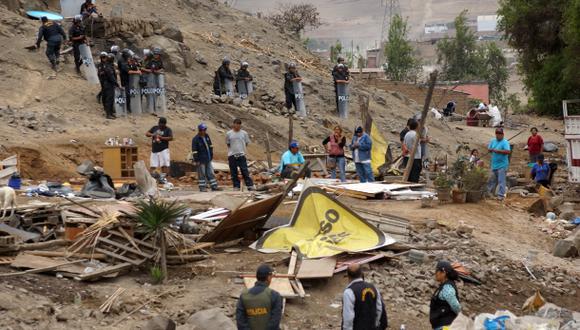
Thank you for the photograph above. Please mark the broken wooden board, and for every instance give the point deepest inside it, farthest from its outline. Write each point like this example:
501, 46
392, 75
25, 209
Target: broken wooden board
248, 217
281, 284
29, 261
316, 268
345, 260
22, 235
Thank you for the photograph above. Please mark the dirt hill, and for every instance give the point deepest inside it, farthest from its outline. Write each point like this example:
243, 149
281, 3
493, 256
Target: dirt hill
55, 123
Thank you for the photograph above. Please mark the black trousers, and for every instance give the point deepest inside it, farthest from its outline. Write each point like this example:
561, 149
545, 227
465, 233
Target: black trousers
242, 163
53, 52
108, 96
415, 171
77, 55
290, 100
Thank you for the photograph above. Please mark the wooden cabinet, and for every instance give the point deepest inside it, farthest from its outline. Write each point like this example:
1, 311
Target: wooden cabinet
118, 161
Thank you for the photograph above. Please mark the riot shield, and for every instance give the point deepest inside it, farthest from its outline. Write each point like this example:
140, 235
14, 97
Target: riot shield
229, 87
149, 93
245, 88
342, 96
299, 94
70, 8
120, 102
160, 99
88, 66
135, 94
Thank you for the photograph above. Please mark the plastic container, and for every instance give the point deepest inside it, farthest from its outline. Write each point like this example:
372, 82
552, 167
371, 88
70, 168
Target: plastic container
15, 182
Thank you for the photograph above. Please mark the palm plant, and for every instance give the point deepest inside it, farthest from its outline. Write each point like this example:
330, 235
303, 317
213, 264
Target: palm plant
155, 217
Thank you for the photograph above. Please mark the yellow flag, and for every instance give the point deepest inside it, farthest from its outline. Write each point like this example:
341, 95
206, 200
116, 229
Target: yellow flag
322, 227
379, 148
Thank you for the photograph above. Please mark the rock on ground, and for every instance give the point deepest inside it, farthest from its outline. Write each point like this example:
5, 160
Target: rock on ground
159, 323
210, 319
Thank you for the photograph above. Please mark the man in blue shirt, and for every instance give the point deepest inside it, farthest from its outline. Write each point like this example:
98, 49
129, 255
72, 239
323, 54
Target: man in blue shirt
500, 151
541, 171
291, 162
361, 147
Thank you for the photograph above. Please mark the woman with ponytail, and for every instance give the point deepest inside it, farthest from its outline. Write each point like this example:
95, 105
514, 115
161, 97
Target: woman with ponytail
445, 304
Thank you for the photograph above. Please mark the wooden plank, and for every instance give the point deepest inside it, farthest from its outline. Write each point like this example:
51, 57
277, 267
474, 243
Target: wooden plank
104, 271
7, 172
196, 247
66, 254
124, 247
316, 268
292, 264
10, 161
282, 285
322, 166
120, 257
39, 264
140, 242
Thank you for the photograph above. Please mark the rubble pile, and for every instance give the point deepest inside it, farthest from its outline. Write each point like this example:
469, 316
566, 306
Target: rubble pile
410, 283
31, 120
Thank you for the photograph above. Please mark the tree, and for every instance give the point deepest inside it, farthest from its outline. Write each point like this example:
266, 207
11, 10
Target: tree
155, 218
401, 64
547, 36
463, 59
335, 51
295, 18
460, 56
494, 71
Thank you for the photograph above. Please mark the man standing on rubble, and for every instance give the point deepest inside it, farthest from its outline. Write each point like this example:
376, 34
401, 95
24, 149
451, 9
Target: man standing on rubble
408, 144
77, 37
361, 146
362, 305
160, 136
500, 150
202, 150
260, 308
289, 78
237, 140
53, 33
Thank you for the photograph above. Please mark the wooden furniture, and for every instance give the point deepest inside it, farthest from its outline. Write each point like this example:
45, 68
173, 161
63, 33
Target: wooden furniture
118, 161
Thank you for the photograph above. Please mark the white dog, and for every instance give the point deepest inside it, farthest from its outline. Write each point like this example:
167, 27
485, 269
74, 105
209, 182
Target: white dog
7, 199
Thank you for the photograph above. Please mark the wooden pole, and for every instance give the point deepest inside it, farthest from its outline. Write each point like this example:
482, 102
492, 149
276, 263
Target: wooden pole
268, 152
290, 128
432, 80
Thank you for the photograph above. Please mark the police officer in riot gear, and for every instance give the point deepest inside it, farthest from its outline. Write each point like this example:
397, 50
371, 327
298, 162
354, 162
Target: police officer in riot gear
109, 83
77, 37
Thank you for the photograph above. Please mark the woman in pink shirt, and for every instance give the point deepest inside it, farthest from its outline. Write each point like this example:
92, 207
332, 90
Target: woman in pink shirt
535, 145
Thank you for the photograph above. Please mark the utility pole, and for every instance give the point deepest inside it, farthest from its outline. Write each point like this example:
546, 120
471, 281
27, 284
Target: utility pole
392, 8
432, 81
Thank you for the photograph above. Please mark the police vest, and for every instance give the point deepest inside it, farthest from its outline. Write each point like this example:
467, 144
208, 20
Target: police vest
258, 308
365, 305
440, 312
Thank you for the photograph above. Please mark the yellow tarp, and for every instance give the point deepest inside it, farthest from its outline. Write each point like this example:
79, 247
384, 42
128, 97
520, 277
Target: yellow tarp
379, 148
322, 227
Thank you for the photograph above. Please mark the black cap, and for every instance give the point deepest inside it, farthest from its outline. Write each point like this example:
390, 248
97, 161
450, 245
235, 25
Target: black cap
358, 130
263, 272
499, 130
162, 121
44, 19
447, 268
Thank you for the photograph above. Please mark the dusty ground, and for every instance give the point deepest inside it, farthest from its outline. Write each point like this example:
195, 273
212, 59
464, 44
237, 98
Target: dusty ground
504, 231
71, 129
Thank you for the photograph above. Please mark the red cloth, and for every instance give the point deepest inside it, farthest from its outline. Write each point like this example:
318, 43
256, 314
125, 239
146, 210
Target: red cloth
535, 144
